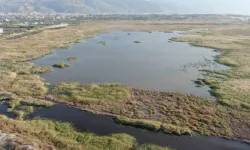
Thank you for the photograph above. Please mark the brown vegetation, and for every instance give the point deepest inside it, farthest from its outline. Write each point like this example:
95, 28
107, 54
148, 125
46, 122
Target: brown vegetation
170, 112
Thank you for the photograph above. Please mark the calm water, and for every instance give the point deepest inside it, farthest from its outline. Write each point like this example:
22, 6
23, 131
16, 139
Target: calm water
155, 63
4, 110
104, 125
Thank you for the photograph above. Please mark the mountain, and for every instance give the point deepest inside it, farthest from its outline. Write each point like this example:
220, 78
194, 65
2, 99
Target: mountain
127, 6
80, 6
204, 6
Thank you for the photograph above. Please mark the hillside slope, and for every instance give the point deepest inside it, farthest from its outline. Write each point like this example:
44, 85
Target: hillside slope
80, 6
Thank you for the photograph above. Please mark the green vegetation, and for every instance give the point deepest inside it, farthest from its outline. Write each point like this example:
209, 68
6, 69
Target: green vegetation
102, 42
23, 107
150, 147
23, 111
172, 113
92, 93
172, 129
200, 82
175, 113
46, 134
61, 65
41, 69
71, 58
232, 89
154, 126
145, 124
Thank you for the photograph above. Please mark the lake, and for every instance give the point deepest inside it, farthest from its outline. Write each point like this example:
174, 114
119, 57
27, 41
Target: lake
137, 59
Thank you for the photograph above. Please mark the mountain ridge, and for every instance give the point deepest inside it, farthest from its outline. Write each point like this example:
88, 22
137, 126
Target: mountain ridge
128, 6
80, 6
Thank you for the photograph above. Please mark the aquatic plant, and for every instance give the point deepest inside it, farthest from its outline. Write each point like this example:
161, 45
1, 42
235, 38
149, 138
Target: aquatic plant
61, 65
91, 93
102, 42
71, 58
47, 134
205, 64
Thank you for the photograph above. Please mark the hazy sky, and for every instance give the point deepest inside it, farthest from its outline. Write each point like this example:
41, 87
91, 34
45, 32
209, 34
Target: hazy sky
213, 6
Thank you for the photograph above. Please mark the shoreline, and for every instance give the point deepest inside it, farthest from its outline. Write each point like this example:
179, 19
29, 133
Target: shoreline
21, 75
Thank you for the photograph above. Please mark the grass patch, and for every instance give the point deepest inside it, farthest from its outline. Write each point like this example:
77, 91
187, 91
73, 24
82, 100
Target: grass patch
150, 147
172, 129
61, 65
37, 103
22, 111
46, 134
71, 58
92, 93
103, 43
145, 124
199, 83
41, 69
154, 126
232, 89
29, 85
5, 97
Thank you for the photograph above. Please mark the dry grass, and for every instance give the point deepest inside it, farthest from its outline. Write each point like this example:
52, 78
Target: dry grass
170, 112
154, 126
92, 93
234, 44
177, 113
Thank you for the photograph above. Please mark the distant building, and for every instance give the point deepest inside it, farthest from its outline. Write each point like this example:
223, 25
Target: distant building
1, 31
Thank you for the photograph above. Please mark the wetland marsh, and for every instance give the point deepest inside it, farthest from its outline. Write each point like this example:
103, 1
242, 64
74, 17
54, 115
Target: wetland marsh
153, 64
163, 105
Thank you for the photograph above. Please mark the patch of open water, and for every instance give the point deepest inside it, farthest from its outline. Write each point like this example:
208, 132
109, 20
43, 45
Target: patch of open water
104, 125
153, 62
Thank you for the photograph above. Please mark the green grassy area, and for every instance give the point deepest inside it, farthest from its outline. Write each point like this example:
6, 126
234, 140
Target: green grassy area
46, 134
232, 91
145, 124
71, 58
175, 113
92, 93
102, 43
172, 113
154, 126
150, 147
23, 111
61, 65
137, 42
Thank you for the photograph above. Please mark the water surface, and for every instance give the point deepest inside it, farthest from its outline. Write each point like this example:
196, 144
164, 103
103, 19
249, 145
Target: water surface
155, 63
104, 125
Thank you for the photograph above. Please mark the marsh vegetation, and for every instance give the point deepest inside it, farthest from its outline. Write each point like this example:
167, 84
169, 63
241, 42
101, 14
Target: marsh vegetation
71, 58
23, 89
61, 65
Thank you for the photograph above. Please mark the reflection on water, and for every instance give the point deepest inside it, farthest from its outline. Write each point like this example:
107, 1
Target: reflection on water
104, 125
152, 63
4, 110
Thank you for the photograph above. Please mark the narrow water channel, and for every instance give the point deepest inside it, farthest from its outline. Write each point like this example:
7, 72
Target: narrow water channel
104, 125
